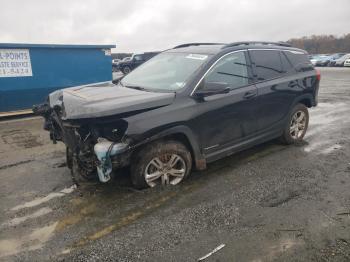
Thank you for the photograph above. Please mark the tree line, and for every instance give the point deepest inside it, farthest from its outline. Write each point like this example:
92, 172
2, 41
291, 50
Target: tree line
315, 44
322, 44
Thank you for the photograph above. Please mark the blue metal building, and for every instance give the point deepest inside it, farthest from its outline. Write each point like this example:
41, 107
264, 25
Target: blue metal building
29, 72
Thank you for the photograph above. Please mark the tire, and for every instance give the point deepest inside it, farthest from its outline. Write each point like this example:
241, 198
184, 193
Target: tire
126, 70
169, 162
299, 119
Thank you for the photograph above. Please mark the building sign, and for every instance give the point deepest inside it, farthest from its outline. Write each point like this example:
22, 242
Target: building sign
15, 63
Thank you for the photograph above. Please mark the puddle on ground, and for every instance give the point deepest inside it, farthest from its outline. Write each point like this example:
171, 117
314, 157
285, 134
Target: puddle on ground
315, 145
76, 217
275, 250
283, 245
323, 147
330, 149
324, 124
39, 236
39, 201
129, 218
18, 220
35, 240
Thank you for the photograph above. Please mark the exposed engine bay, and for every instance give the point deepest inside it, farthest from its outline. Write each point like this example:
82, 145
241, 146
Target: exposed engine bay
92, 122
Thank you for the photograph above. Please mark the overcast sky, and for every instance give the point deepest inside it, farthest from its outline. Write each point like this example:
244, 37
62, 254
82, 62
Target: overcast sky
155, 25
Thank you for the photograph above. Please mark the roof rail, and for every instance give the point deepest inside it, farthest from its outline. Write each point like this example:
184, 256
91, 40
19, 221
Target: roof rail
256, 43
196, 44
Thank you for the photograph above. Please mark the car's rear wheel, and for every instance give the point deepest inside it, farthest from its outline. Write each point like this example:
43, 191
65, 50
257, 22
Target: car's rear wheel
297, 125
126, 70
161, 163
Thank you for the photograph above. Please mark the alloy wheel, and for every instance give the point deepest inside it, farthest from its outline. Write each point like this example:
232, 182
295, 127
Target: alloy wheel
298, 125
165, 169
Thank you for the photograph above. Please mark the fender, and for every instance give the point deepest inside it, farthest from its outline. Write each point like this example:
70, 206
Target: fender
304, 97
199, 159
308, 96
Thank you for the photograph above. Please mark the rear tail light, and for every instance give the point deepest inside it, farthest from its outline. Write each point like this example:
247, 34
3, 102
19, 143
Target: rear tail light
318, 74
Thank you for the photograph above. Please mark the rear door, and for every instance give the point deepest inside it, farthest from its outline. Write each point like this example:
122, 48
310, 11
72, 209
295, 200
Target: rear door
276, 86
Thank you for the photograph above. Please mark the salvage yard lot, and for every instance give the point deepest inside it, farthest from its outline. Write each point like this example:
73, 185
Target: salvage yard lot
269, 203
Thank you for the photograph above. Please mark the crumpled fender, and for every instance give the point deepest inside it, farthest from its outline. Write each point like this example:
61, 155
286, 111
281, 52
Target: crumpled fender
199, 158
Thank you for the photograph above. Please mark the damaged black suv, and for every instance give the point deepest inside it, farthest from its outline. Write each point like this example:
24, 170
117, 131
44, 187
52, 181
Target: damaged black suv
182, 109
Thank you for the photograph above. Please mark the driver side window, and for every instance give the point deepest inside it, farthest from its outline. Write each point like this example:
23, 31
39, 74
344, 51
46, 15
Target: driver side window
231, 69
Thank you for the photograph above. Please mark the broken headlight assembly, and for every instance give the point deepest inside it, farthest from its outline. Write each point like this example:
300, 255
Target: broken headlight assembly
96, 146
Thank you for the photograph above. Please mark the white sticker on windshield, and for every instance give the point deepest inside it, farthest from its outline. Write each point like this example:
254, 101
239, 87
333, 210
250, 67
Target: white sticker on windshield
180, 84
296, 52
197, 56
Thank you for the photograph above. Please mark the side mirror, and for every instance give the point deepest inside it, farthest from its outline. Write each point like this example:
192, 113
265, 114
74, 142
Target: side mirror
213, 88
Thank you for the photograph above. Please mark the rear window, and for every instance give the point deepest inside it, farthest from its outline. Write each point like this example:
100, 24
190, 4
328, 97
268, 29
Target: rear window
300, 61
267, 63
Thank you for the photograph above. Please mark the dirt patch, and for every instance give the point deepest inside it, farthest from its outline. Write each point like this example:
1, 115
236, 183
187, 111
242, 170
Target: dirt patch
339, 250
59, 165
16, 164
20, 138
278, 198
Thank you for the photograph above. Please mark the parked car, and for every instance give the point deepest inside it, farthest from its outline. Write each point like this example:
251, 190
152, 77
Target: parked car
116, 61
184, 108
128, 58
115, 64
314, 59
136, 59
334, 57
347, 62
340, 61
320, 60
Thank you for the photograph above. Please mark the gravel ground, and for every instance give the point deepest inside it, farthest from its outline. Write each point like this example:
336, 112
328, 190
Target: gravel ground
269, 203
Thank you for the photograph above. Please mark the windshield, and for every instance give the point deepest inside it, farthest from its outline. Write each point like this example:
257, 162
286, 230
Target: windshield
165, 72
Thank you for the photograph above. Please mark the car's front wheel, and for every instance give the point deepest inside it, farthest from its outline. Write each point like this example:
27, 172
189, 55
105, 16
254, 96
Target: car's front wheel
297, 125
161, 163
126, 70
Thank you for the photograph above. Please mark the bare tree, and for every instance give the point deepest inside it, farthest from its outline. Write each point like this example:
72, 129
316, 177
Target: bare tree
323, 44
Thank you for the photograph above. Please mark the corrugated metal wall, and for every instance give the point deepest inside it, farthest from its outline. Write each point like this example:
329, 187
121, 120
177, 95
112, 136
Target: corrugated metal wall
53, 67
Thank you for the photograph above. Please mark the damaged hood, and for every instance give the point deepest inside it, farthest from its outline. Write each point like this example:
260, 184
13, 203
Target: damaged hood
105, 100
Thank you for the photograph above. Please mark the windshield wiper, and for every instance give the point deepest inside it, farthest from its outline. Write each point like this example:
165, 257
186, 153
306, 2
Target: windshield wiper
136, 87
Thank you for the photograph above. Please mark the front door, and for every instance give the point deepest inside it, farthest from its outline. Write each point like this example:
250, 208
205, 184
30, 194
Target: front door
226, 118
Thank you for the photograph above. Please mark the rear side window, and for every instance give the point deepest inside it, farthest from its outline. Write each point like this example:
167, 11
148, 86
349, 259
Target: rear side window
299, 60
286, 65
268, 64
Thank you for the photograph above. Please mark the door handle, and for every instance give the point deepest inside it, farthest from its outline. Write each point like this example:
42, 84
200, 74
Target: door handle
249, 94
